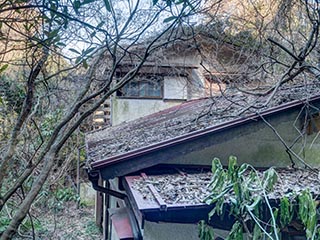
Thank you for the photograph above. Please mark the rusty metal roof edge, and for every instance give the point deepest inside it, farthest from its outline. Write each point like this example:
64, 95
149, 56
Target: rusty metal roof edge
199, 133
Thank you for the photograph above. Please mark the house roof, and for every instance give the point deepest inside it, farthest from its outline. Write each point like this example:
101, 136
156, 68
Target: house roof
188, 50
182, 188
179, 196
185, 121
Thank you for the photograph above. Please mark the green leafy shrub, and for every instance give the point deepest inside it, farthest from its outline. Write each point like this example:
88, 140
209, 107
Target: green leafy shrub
66, 195
92, 228
245, 189
35, 224
4, 222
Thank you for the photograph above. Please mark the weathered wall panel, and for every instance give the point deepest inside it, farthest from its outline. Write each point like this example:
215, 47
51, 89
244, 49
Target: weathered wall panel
175, 88
130, 109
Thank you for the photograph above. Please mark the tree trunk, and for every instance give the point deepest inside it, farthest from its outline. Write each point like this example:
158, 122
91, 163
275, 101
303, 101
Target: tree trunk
27, 202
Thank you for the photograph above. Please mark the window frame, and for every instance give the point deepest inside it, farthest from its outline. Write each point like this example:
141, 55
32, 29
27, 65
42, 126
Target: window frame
139, 80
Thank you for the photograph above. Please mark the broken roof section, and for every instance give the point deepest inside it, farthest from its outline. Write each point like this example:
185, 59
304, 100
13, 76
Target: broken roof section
180, 123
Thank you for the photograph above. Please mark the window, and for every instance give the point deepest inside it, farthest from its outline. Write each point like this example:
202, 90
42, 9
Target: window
143, 86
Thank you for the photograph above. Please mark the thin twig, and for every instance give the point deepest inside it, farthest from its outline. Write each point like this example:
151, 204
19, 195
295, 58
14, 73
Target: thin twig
285, 144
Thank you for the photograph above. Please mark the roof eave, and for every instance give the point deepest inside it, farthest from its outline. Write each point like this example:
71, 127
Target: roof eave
199, 133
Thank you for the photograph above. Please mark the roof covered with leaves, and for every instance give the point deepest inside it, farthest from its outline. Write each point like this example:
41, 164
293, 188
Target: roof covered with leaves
189, 117
193, 188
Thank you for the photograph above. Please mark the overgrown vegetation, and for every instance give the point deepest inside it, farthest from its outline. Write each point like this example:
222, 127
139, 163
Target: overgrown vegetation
242, 193
59, 61
64, 218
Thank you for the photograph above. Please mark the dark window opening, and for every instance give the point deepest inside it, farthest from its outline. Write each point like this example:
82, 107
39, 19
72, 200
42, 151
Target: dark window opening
144, 86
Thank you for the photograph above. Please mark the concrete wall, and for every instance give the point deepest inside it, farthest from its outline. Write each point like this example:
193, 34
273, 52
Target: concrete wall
197, 88
166, 231
181, 57
129, 109
87, 194
174, 231
175, 88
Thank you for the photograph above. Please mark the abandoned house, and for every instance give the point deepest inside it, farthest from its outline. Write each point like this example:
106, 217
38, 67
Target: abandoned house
172, 75
153, 171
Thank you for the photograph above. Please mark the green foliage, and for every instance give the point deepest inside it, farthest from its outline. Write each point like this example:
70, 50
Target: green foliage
28, 225
245, 190
3, 68
169, 19
286, 212
74, 50
241, 187
236, 232
246, 39
308, 213
205, 231
92, 228
66, 195
270, 178
56, 200
4, 222
107, 5
11, 93
49, 122
257, 233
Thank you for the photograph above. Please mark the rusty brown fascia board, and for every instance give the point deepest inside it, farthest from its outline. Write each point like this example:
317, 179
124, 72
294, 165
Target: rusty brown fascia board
199, 133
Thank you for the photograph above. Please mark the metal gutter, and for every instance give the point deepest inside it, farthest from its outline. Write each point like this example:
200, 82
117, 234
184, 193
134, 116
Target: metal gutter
200, 133
94, 179
184, 212
174, 213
